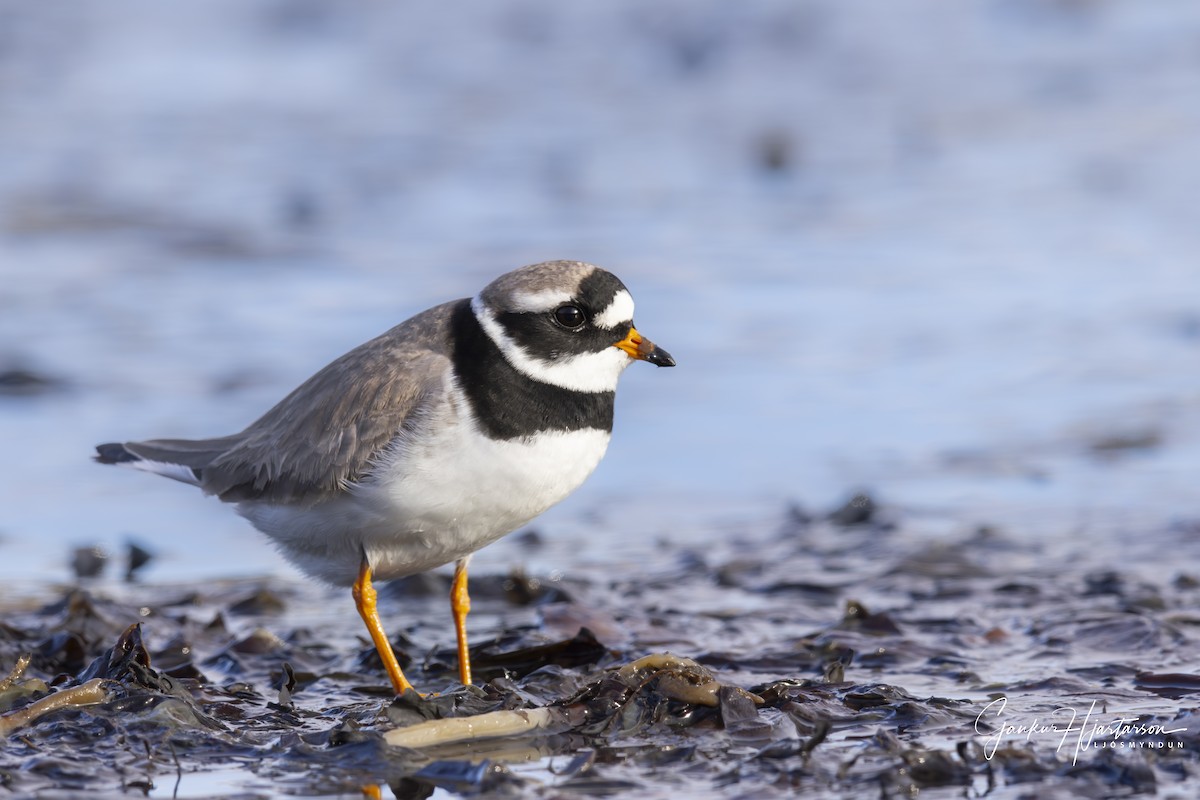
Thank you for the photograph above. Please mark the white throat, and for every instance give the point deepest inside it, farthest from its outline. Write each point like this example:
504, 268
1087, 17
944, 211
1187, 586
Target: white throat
587, 372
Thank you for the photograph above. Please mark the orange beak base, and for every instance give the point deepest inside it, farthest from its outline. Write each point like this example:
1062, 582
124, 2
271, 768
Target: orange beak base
643, 349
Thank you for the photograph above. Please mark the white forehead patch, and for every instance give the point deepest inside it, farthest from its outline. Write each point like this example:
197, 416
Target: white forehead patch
532, 302
618, 311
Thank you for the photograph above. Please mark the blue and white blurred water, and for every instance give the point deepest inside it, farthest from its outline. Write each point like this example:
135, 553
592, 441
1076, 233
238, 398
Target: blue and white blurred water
938, 250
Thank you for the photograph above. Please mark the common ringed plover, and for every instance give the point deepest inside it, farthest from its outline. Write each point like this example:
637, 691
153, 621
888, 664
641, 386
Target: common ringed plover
431, 441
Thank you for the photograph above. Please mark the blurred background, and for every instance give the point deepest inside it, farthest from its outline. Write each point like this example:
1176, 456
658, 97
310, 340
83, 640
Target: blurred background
942, 251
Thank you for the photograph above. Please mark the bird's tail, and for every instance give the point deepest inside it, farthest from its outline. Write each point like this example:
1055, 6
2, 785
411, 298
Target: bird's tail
179, 459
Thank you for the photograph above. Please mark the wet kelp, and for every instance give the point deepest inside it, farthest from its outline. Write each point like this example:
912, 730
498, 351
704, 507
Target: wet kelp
851, 653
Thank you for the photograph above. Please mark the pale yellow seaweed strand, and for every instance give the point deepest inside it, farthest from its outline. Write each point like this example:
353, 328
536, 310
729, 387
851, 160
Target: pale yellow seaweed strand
492, 725
88, 694
17, 671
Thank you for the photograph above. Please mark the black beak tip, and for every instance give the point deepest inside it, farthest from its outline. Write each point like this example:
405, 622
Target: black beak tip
661, 358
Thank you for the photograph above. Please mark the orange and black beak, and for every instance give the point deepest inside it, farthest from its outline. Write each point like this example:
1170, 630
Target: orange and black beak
643, 349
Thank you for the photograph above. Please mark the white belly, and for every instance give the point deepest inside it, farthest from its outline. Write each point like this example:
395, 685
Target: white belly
433, 499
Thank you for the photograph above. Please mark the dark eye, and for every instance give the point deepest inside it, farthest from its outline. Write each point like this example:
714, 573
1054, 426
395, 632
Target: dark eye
569, 316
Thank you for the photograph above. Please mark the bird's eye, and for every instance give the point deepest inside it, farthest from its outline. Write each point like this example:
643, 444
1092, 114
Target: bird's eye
569, 316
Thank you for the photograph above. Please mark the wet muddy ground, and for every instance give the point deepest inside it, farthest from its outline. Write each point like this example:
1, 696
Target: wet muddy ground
836, 654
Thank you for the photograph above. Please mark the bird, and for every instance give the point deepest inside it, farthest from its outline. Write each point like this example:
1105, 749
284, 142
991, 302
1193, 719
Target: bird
430, 441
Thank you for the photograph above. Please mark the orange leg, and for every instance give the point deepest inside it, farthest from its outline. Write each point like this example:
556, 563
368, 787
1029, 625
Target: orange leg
460, 604
364, 599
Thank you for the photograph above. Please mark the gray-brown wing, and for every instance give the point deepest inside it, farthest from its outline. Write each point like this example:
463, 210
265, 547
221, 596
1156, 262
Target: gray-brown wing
327, 433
